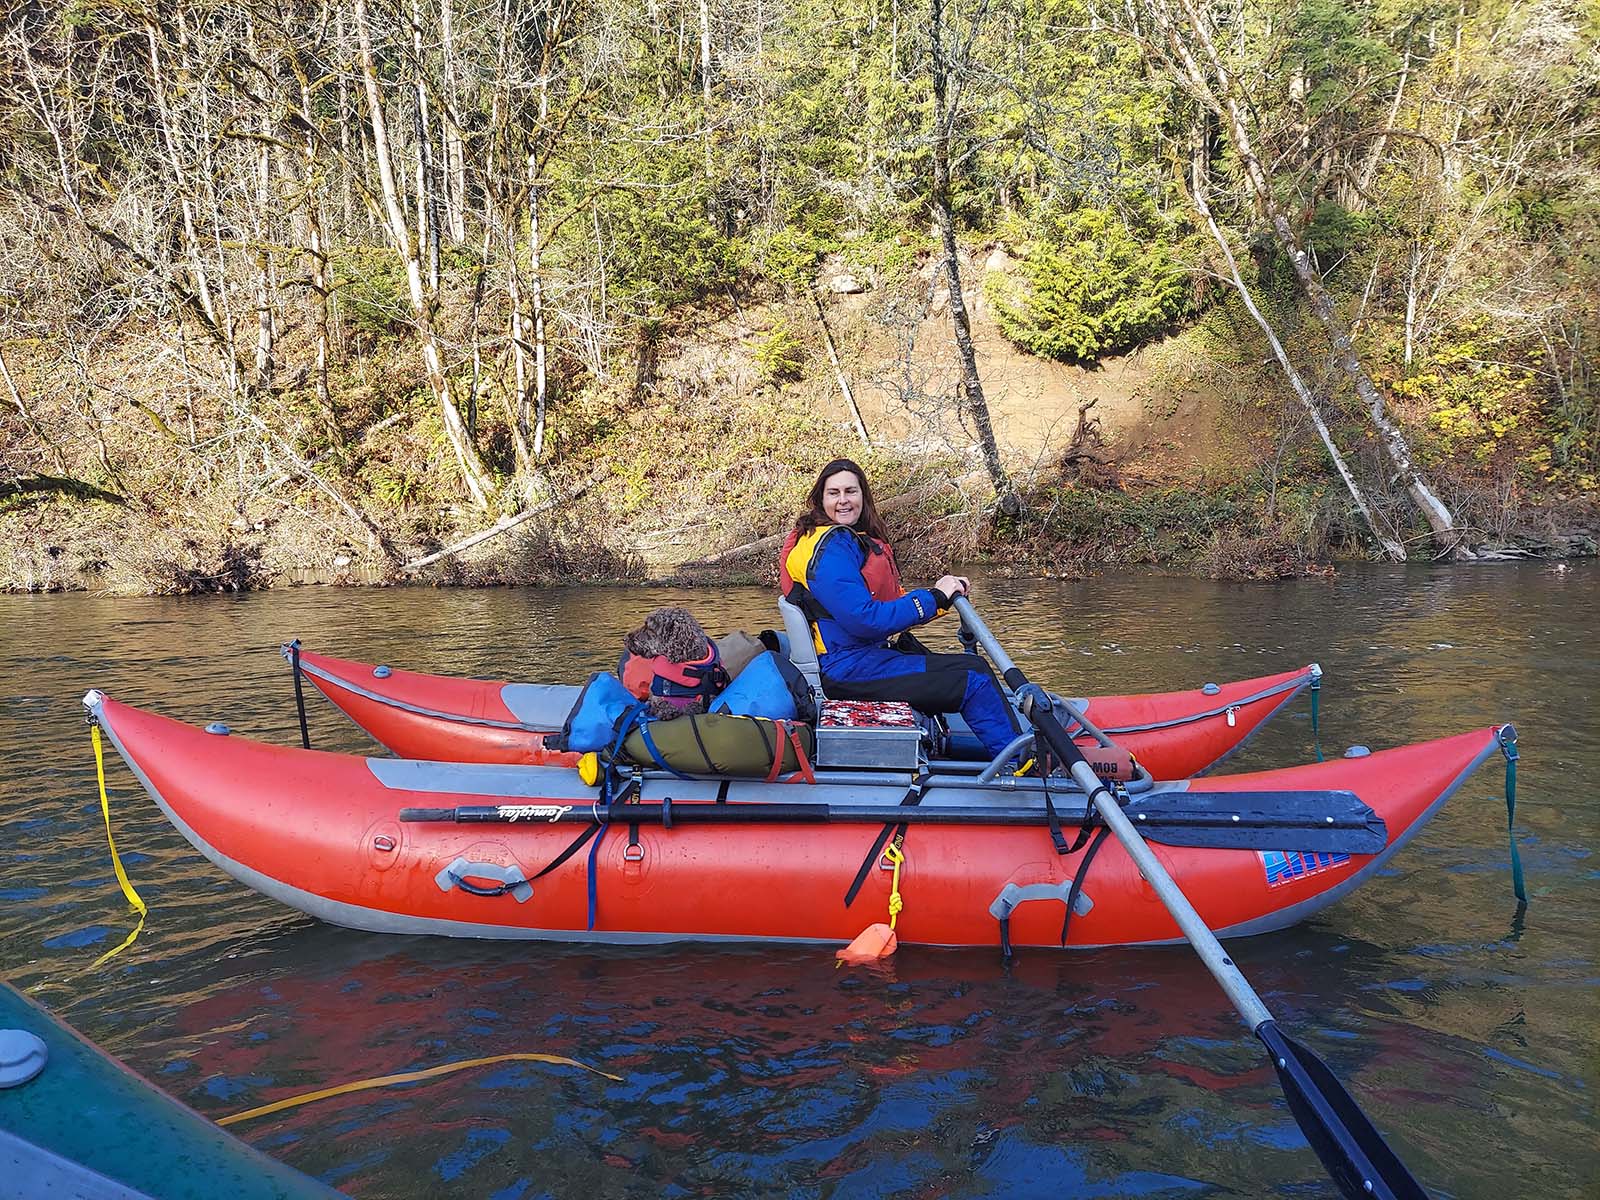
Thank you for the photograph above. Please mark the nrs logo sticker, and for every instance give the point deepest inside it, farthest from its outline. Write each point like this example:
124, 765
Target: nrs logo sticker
1284, 866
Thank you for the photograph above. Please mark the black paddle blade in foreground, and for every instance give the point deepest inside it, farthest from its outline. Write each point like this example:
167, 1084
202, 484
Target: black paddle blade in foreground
1352, 1150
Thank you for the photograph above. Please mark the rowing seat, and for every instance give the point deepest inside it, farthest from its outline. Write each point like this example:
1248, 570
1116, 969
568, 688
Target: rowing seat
802, 650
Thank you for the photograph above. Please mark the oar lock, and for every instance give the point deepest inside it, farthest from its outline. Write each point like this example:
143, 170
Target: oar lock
1031, 694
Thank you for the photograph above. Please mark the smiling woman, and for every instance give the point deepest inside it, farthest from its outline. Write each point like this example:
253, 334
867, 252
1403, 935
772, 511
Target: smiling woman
838, 568
841, 497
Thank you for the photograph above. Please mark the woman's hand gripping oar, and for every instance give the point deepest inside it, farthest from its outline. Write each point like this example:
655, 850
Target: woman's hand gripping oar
1353, 1151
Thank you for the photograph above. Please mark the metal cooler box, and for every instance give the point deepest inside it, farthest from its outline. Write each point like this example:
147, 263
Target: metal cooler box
884, 734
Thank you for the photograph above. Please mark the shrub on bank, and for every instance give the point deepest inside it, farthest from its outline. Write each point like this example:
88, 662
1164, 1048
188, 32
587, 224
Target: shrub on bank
1161, 525
370, 282
211, 552
1273, 553
1089, 287
1228, 532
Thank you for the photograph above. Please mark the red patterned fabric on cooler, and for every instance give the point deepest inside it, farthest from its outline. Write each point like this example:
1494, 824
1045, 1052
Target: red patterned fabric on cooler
874, 714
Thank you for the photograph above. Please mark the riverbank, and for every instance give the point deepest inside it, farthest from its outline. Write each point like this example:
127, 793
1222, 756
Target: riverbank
1176, 456
1065, 532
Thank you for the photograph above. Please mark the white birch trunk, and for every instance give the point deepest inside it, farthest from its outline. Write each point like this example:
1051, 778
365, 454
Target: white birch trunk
1225, 97
705, 82
1392, 548
536, 282
317, 256
838, 369
520, 341
455, 158
427, 207
264, 285
473, 473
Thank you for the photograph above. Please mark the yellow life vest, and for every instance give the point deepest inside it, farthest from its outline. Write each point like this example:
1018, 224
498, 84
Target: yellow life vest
798, 565
878, 573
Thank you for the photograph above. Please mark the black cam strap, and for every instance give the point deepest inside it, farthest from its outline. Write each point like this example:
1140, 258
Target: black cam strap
1077, 878
700, 742
578, 843
912, 798
582, 839
299, 694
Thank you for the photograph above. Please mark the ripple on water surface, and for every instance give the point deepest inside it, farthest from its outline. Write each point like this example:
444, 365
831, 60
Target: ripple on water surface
1465, 1030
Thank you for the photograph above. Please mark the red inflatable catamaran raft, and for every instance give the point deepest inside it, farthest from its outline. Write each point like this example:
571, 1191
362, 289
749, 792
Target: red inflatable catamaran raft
485, 850
1173, 735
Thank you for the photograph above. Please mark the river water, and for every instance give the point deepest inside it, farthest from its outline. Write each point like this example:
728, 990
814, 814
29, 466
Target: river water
1466, 1029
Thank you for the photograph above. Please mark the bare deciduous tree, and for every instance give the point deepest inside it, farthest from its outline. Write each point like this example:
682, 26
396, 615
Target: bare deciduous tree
423, 300
948, 80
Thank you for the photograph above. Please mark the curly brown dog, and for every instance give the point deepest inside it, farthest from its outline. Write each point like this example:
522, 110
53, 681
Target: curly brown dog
670, 633
673, 634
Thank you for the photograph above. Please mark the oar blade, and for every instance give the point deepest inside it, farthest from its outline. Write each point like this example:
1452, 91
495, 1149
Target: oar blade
1349, 1145
1353, 1152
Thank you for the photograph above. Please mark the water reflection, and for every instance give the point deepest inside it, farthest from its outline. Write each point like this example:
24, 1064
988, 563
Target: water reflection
766, 1072
758, 1065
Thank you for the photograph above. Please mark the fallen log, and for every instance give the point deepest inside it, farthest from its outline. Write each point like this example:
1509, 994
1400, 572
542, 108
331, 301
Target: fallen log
57, 485
501, 526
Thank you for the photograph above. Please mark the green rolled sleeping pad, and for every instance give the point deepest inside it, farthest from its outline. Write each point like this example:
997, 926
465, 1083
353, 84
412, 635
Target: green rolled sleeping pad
718, 744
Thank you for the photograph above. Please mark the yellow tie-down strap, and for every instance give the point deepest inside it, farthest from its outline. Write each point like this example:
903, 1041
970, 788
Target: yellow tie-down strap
134, 899
381, 1081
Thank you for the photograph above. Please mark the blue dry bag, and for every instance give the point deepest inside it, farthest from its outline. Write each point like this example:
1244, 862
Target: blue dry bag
602, 705
761, 690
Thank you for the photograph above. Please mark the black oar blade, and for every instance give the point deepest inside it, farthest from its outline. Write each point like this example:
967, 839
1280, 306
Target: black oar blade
1351, 1149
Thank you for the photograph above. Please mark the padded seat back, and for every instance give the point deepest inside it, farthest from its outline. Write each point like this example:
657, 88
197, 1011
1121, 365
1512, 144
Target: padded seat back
802, 650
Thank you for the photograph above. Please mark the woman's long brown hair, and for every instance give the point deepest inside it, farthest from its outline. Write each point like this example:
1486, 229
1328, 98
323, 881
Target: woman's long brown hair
870, 523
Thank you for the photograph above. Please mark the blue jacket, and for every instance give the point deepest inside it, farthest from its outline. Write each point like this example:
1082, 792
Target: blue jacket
853, 618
